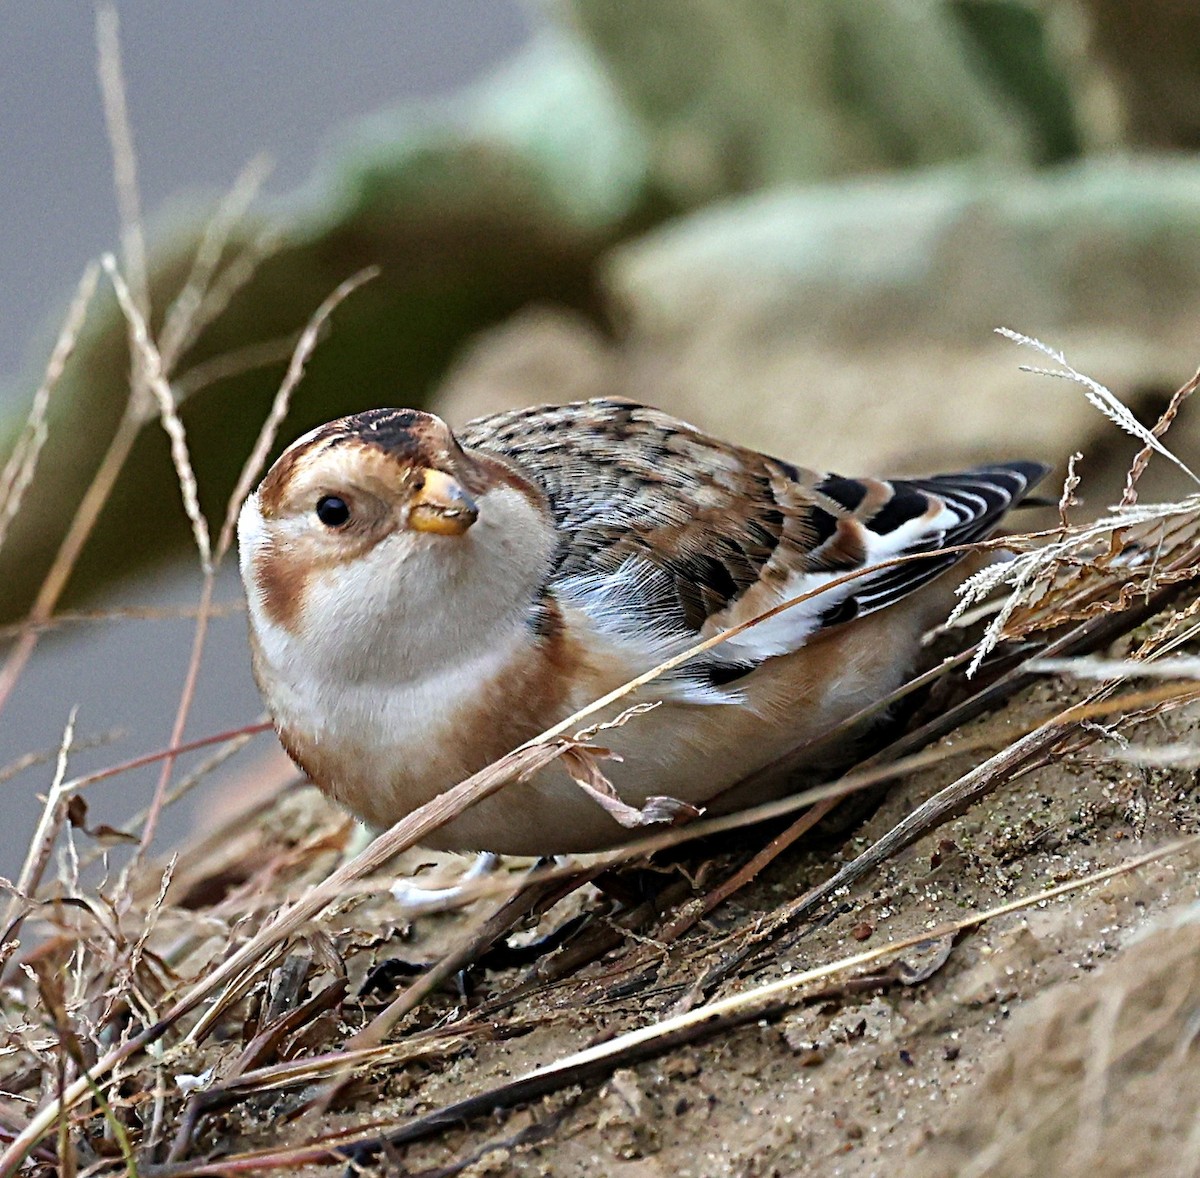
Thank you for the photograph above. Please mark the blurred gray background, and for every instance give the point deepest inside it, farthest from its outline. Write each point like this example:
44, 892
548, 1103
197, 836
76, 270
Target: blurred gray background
209, 85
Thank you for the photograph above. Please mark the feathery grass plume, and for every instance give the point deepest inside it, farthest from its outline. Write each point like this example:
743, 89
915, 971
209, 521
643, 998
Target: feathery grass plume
1128, 538
1107, 402
1032, 576
156, 381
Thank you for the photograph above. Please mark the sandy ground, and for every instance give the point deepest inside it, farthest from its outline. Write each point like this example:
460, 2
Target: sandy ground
898, 1079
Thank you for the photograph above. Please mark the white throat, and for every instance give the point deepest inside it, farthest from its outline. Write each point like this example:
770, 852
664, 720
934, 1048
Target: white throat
412, 608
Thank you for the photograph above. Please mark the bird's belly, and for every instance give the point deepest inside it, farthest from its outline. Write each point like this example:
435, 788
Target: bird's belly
382, 753
379, 753
382, 749
697, 753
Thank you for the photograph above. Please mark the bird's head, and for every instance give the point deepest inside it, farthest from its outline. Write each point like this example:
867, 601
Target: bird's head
377, 537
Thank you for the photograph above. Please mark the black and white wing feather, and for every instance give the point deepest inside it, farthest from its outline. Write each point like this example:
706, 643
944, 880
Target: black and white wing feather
972, 503
669, 535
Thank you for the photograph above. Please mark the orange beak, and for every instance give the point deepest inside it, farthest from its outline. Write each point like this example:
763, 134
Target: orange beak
441, 506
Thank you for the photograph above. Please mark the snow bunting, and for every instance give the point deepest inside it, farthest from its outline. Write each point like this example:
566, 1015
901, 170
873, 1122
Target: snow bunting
421, 603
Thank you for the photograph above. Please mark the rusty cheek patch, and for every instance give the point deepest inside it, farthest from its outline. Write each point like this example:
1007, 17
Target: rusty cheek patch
281, 584
273, 488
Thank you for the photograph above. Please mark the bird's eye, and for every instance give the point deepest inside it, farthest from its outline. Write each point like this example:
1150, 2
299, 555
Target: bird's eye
332, 511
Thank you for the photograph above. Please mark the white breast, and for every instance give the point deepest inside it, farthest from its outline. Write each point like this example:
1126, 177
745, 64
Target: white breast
372, 680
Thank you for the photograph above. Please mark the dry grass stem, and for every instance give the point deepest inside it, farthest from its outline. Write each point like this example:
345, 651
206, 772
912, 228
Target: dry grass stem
133, 246
197, 304
152, 370
406, 833
1136, 536
1142, 460
202, 773
283, 399
1091, 667
229, 364
1097, 709
1067, 499
124, 158
41, 757
40, 847
191, 678
156, 380
139, 613
195, 307
22, 462
67, 556
171, 751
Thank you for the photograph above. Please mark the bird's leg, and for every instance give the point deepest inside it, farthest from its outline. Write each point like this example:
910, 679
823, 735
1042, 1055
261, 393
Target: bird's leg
413, 895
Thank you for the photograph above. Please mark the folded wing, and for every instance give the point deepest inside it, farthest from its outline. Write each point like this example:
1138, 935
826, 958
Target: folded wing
669, 536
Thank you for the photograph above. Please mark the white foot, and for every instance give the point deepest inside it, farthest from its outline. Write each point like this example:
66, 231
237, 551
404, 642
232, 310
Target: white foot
413, 895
